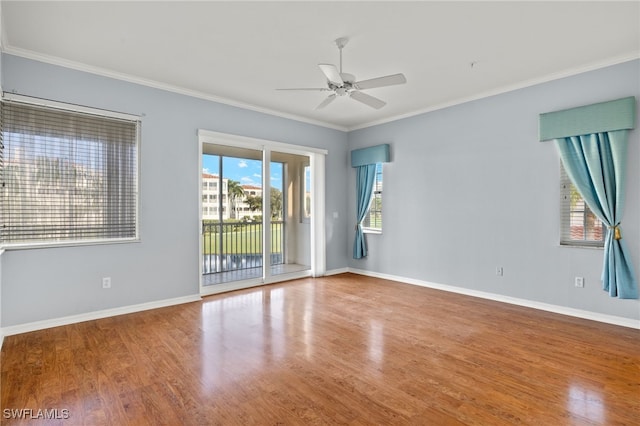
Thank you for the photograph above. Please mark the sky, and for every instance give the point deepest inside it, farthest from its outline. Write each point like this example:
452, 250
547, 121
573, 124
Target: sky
245, 171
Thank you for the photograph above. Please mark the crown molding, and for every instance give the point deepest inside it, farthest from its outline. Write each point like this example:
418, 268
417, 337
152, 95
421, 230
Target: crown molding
508, 88
53, 60
28, 54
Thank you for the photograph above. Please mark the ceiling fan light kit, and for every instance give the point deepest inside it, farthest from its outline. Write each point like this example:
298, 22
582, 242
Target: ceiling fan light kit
343, 84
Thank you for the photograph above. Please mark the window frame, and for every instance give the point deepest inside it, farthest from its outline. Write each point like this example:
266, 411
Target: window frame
375, 194
73, 108
566, 213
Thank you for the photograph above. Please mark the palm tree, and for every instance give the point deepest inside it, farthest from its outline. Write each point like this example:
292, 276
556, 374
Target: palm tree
235, 191
276, 204
255, 203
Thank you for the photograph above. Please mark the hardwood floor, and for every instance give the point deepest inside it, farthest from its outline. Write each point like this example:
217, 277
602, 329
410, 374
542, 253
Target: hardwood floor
345, 349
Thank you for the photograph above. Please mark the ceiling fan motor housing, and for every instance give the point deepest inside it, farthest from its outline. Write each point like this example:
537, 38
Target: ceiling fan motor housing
346, 87
348, 78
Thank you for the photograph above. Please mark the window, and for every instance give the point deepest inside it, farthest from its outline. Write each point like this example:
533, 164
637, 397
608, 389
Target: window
66, 176
305, 194
579, 226
373, 220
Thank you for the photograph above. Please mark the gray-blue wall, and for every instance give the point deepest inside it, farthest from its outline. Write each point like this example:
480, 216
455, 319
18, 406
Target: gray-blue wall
470, 188
50, 283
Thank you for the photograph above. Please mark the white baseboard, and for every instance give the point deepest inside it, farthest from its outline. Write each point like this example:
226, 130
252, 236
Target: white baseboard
336, 271
88, 316
72, 319
578, 313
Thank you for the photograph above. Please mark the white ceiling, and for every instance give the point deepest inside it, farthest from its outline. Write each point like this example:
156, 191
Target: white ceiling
239, 52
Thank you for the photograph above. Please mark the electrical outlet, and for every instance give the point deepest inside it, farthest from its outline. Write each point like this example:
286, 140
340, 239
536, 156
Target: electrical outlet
499, 271
106, 282
579, 282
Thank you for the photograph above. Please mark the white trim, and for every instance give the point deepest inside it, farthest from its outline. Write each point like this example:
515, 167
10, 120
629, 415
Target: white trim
70, 243
73, 319
199, 223
230, 286
162, 86
24, 53
217, 138
578, 313
336, 271
253, 282
266, 214
318, 220
505, 89
372, 231
278, 278
89, 316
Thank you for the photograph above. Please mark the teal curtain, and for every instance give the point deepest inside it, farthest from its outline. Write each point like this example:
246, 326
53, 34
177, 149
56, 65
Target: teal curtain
364, 161
596, 164
365, 178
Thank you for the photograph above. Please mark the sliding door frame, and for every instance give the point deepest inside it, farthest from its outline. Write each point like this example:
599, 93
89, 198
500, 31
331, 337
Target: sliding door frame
318, 246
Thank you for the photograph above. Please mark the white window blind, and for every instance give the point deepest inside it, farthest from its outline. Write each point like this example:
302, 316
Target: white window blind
66, 176
373, 219
579, 226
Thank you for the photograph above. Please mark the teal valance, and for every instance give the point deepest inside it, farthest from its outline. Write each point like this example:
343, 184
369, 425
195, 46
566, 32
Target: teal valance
370, 155
596, 118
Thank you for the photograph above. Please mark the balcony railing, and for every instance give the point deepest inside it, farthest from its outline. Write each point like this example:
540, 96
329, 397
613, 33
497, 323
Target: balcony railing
233, 246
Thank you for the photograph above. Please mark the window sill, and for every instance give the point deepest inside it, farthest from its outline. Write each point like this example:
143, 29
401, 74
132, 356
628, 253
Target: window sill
59, 244
372, 231
580, 246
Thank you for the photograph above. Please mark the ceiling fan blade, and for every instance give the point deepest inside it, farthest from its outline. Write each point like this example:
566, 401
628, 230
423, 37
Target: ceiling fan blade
388, 80
313, 89
332, 74
367, 99
327, 101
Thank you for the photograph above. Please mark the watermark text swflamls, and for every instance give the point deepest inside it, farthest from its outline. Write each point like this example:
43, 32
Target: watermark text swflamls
36, 414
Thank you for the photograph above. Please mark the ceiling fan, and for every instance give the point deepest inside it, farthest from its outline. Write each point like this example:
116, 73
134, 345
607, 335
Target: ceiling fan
342, 84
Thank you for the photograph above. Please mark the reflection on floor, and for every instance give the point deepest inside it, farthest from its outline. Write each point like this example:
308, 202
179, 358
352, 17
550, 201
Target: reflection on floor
247, 274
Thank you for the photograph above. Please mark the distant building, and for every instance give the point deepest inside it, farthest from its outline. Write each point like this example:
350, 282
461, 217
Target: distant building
211, 202
242, 207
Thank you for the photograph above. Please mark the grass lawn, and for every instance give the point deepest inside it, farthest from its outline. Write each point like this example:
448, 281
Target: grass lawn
241, 239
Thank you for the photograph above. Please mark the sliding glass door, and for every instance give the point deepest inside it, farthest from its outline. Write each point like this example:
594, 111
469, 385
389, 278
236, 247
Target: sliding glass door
290, 229
256, 215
